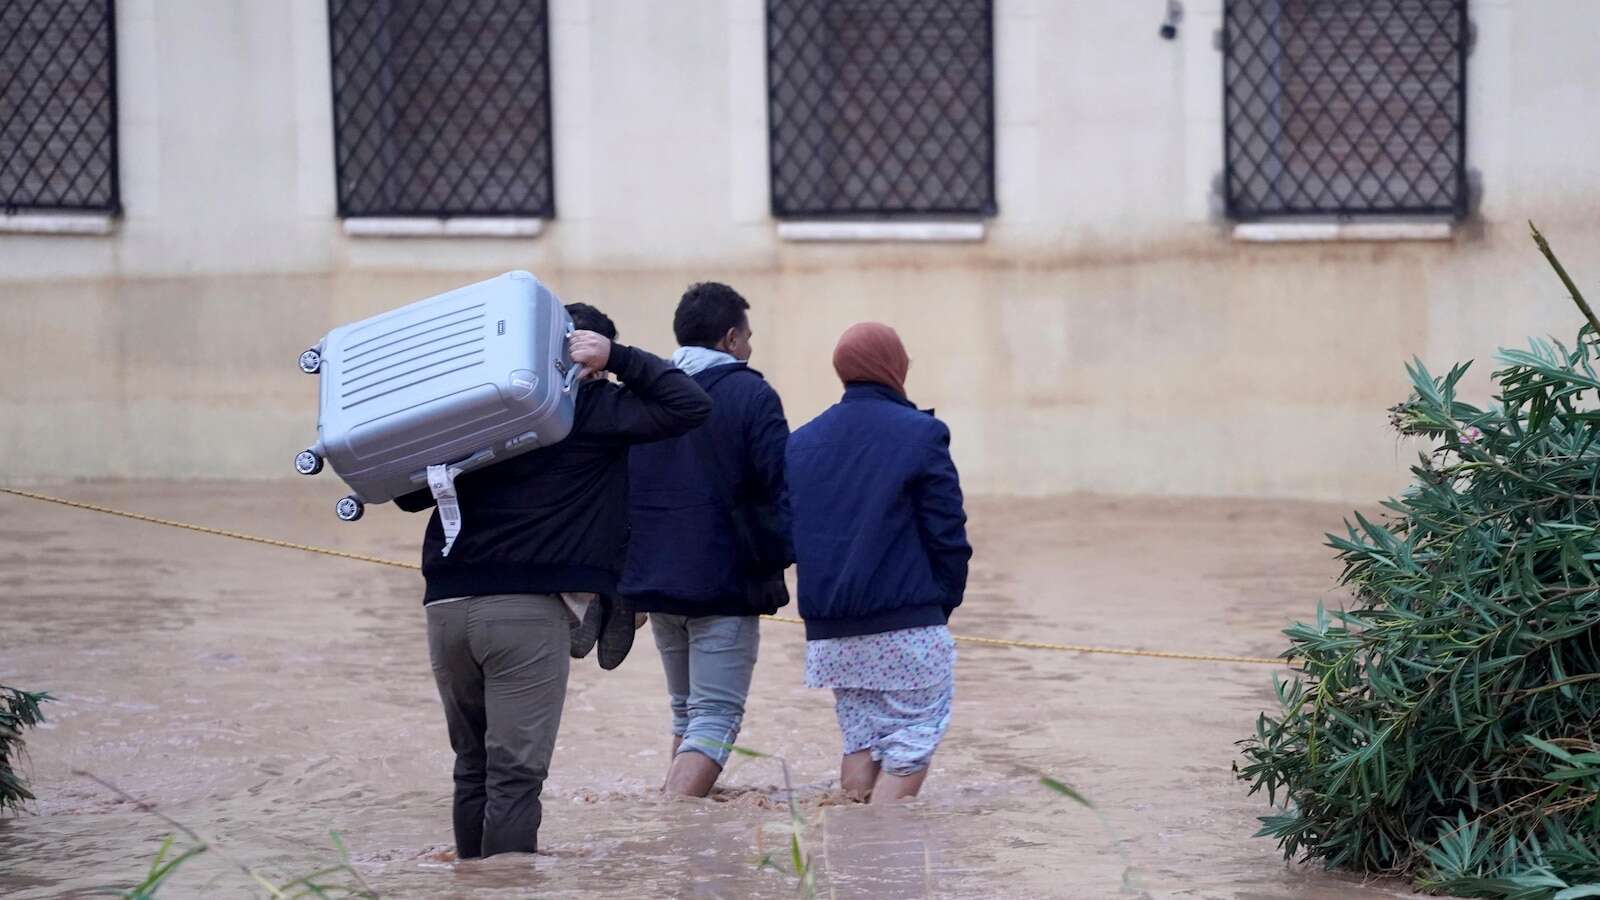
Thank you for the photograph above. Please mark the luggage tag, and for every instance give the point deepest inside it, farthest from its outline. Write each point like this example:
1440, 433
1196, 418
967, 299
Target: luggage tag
442, 482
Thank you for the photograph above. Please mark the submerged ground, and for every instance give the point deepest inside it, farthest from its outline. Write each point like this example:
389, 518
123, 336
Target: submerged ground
263, 697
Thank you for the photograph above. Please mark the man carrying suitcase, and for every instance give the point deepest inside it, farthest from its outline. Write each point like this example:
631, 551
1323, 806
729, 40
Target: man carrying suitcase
709, 544
552, 521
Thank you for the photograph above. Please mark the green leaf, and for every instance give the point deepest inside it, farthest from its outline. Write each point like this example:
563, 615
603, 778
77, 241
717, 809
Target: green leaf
1549, 748
1065, 790
742, 751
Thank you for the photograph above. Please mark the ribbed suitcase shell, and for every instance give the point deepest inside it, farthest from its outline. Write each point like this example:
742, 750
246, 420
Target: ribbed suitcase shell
466, 378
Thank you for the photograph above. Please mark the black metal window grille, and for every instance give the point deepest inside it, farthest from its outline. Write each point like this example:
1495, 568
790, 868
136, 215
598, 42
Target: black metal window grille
58, 106
442, 107
881, 107
1345, 107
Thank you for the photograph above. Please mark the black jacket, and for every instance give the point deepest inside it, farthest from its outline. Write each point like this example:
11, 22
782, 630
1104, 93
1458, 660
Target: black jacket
710, 536
556, 519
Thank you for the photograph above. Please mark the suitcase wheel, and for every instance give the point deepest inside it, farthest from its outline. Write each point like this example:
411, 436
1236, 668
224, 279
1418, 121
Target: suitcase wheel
349, 508
310, 361
307, 462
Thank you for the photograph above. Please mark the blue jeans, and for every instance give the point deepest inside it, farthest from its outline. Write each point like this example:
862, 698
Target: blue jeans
709, 661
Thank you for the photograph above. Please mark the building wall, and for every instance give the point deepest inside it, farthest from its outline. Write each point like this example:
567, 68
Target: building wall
1108, 334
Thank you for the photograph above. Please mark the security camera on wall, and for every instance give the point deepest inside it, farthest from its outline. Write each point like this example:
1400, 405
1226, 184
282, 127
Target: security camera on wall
1169, 25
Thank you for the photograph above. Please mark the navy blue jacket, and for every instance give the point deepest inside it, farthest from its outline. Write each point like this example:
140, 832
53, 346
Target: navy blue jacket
879, 532
693, 499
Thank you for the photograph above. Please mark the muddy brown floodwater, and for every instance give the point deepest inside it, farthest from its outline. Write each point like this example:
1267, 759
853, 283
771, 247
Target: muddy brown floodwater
264, 697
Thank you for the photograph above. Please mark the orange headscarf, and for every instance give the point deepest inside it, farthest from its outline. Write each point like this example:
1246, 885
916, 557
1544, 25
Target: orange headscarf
871, 351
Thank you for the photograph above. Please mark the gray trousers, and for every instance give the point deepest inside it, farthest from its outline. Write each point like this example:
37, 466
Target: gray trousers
501, 664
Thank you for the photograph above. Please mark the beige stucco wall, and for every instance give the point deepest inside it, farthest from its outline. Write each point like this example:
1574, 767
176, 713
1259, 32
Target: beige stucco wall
1107, 335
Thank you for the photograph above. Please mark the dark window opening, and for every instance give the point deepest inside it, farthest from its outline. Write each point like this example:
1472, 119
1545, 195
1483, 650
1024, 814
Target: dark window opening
1345, 107
881, 107
442, 107
58, 106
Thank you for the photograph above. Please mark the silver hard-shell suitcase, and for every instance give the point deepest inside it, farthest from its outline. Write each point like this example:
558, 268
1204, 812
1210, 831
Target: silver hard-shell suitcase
463, 379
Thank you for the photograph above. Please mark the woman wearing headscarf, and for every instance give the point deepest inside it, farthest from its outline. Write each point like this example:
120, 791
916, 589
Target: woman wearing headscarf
881, 549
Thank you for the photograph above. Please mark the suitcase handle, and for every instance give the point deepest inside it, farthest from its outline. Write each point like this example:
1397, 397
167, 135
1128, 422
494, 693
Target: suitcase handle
574, 375
461, 466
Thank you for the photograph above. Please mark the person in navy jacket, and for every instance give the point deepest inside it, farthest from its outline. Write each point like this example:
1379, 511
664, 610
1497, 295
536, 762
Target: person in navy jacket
881, 550
709, 545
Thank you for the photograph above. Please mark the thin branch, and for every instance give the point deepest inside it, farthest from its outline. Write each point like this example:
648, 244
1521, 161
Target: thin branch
147, 806
143, 806
1561, 271
355, 873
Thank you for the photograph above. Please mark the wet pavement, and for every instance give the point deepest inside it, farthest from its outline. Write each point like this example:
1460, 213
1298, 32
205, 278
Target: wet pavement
264, 697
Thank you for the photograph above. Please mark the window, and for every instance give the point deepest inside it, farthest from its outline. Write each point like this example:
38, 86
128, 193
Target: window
1345, 107
58, 106
881, 107
442, 107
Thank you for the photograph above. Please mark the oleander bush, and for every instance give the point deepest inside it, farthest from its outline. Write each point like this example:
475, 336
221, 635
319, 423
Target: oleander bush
19, 711
1445, 726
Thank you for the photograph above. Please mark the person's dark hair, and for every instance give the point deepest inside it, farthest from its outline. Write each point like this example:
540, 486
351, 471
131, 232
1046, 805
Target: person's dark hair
587, 318
706, 312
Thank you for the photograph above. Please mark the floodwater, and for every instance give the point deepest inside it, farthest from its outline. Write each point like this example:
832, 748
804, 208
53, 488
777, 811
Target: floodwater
264, 697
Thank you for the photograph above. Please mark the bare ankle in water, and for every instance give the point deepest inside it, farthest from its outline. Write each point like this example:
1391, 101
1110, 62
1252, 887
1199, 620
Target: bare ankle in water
857, 773
693, 774
890, 788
